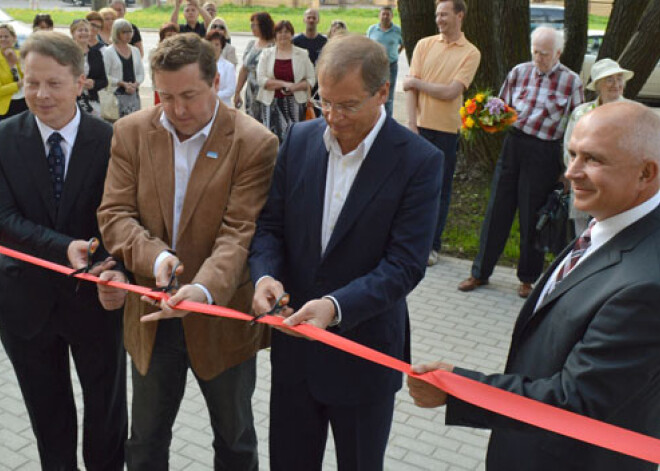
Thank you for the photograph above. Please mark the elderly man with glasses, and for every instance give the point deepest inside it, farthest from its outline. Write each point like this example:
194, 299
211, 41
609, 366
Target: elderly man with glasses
346, 233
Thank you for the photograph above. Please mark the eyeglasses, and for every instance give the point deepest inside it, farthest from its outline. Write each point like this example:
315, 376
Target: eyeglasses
96, 25
217, 26
340, 108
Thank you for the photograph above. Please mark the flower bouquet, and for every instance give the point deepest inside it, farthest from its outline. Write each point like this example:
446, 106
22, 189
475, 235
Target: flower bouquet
485, 113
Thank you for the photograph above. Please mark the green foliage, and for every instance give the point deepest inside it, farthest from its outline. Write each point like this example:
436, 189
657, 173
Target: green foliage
598, 22
237, 17
466, 213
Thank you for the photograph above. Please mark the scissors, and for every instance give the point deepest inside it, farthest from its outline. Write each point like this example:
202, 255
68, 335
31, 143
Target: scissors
279, 305
92, 245
173, 284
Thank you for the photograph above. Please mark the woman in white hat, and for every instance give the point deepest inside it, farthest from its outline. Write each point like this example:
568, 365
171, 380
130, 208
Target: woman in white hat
608, 79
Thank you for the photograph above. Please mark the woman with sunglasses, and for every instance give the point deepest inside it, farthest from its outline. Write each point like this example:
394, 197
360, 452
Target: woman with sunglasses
229, 51
12, 98
285, 76
95, 78
262, 27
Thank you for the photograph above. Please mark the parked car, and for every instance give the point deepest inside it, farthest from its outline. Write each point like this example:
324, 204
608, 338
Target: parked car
22, 30
552, 15
651, 89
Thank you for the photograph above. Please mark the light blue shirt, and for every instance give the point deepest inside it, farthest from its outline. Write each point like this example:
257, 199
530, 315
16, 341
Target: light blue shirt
391, 39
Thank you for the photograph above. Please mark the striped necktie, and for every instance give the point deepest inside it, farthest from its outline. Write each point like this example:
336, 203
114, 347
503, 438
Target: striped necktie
580, 247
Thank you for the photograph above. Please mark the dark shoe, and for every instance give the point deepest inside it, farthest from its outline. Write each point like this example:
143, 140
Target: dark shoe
524, 290
471, 283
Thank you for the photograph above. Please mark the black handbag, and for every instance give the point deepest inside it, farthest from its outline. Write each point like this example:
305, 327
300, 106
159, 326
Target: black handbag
552, 223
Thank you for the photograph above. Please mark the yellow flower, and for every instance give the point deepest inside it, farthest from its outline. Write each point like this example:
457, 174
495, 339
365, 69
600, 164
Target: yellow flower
462, 112
469, 123
467, 102
479, 97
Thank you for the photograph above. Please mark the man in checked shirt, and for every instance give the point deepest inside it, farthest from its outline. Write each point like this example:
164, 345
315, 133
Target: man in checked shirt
544, 92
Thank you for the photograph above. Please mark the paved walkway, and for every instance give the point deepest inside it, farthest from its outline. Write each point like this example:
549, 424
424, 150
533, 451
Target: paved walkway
471, 330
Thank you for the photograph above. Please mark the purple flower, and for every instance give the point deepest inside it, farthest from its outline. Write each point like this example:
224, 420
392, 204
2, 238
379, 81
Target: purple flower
495, 106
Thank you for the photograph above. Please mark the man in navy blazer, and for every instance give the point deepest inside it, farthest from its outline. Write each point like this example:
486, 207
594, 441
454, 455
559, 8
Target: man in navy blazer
48, 209
345, 232
588, 338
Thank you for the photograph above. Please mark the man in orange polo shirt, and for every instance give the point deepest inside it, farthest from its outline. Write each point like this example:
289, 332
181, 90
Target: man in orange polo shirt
442, 68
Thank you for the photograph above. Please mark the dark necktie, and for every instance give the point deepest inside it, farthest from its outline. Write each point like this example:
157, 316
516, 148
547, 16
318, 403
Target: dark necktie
580, 247
56, 164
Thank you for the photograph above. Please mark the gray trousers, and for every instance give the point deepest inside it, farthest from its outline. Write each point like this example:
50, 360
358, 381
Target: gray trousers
157, 397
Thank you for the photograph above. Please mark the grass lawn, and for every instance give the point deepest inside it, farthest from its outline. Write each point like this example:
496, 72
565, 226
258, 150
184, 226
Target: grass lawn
238, 17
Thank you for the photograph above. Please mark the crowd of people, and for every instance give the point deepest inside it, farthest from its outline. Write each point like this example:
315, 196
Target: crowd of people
316, 205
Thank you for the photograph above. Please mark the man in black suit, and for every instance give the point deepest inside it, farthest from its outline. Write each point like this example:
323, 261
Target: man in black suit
52, 168
346, 233
588, 338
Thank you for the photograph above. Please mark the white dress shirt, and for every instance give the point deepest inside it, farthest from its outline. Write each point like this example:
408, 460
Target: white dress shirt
185, 156
68, 133
342, 170
227, 73
601, 233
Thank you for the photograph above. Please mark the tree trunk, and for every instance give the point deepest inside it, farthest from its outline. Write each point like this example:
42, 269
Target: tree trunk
98, 4
622, 24
514, 32
576, 24
148, 3
417, 22
642, 52
480, 27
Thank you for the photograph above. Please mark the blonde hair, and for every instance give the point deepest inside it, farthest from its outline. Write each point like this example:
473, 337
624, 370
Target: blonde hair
77, 24
9, 28
109, 10
217, 19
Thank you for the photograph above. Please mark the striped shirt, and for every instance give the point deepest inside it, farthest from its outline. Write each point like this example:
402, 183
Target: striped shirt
544, 102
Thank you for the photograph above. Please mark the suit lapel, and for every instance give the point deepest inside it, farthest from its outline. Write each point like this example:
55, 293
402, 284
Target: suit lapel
82, 157
161, 160
218, 141
31, 147
379, 163
606, 256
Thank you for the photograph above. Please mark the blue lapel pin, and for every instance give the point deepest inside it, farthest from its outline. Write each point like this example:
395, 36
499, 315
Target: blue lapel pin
213, 155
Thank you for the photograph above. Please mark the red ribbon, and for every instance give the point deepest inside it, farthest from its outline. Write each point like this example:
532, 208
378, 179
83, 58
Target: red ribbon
487, 397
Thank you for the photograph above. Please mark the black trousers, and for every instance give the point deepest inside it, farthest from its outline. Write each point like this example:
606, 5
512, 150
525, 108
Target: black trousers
157, 397
526, 172
448, 143
299, 431
42, 368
